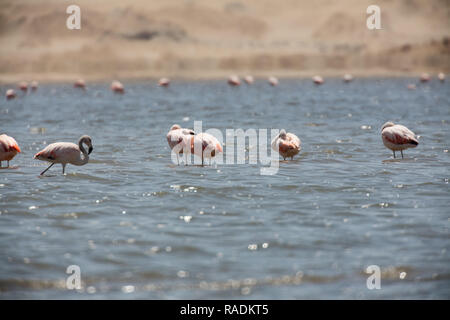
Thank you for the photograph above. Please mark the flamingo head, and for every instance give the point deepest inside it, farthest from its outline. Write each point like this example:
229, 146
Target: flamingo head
175, 127
282, 134
387, 125
87, 141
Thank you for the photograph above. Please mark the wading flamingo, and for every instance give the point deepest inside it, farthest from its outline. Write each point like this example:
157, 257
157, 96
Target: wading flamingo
249, 79
273, 81
179, 140
205, 145
317, 79
117, 87
347, 78
164, 82
79, 84
34, 85
23, 86
10, 94
234, 81
424, 77
397, 137
66, 152
8, 149
441, 76
287, 144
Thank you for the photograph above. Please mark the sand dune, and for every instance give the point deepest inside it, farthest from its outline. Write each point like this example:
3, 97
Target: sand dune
205, 38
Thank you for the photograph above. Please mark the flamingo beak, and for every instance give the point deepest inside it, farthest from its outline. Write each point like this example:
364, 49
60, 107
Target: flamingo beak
90, 149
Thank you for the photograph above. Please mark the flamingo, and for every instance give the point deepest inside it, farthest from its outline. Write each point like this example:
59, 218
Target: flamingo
34, 85
117, 87
441, 76
164, 82
411, 86
234, 80
10, 94
287, 144
397, 137
249, 79
66, 152
347, 78
424, 77
8, 149
273, 81
79, 84
23, 86
317, 79
178, 138
205, 145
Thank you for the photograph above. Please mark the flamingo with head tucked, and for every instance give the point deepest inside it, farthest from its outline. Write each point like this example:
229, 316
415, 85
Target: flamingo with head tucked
23, 86
8, 149
164, 82
179, 140
273, 81
249, 79
287, 144
66, 152
397, 137
318, 80
347, 78
425, 77
79, 84
205, 145
234, 80
117, 87
10, 94
441, 76
34, 85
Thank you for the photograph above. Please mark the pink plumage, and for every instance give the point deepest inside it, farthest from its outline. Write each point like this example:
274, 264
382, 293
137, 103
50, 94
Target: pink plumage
398, 137
8, 148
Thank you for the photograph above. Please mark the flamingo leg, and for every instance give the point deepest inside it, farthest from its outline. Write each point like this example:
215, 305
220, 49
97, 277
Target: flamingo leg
178, 161
394, 153
0, 164
47, 169
64, 168
202, 159
7, 164
402, 153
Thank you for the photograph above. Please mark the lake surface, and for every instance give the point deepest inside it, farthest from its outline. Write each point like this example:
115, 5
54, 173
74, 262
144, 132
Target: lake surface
140, 227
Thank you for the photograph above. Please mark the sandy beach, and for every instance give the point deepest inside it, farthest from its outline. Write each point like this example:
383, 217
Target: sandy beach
212, 39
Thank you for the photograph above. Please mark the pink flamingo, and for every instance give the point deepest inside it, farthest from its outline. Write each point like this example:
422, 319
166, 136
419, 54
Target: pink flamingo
79, 84
273, 81
8, 149
318, 80
205, 145
425, 77
249, 79
66, 152
397, 137
164, 82
441, 76
287, 144
347, 78
34, 85
117, 87
234, 80
10, 94
23, 86
179, 140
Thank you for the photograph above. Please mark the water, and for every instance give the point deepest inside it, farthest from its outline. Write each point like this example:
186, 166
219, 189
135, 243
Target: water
139, 226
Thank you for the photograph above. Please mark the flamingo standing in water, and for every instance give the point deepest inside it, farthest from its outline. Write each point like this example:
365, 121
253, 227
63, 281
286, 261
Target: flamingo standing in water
234, 80
34, 85
441, 76
397, 137
249, 79
80, 84
23, 86
273, 81
117, 87
179, 140
205, 145
164, 82
347, 78
8, 149
66, 152
287, 144
424, 77
318, 80
10, 94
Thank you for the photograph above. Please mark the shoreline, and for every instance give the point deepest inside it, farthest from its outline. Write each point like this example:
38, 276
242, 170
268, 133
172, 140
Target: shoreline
14, 78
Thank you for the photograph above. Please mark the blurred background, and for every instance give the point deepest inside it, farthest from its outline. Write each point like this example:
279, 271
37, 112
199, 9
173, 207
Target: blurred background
214, 38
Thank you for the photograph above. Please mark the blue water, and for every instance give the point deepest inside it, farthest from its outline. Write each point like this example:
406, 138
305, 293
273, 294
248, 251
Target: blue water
140, 227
